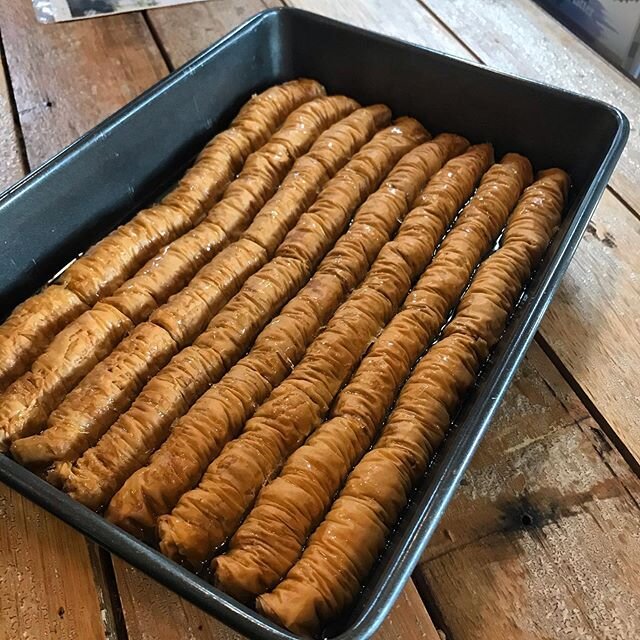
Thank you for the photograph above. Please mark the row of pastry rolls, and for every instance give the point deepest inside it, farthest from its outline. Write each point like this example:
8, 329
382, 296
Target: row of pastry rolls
271, 538
204, 518
26, 404
32, 325
96, 402
128, 444
222, 411
342, 550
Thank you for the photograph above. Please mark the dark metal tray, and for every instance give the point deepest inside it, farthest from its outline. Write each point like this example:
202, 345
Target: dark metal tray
100, 180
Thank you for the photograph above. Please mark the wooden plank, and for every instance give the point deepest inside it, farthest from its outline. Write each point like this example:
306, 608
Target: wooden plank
408, 619
541, 541
593, 325
187, 30
521, 38
47, 588
12, 164
404, 19
153, 613
594, 320
68, 77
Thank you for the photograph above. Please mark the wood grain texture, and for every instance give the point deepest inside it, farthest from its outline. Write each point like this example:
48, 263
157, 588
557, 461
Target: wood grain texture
593, 324
12, 164
520, 37
68, 77
542, 540
489, 573
153, 613
187, 30
594, 319
47, 588
404, 19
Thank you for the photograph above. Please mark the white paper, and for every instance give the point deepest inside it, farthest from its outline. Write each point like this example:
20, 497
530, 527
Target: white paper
61, 10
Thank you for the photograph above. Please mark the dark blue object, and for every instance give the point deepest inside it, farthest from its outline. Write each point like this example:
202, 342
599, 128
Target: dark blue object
103, 178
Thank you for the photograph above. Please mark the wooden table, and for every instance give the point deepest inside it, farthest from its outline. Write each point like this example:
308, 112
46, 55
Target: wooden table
542, 540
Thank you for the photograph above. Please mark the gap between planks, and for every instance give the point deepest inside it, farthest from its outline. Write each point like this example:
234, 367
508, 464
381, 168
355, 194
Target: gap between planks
541, 540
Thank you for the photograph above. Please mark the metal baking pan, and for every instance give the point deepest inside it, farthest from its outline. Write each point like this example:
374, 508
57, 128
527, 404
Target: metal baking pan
100, 180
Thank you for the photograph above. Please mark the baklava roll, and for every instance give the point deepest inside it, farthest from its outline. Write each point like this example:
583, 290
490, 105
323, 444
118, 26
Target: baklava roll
26, 333
189, 311
186, 313
170, 270
342, 551
26, 404
272, 536
220, 413
95, 404
204, 517
109, 263
131, 440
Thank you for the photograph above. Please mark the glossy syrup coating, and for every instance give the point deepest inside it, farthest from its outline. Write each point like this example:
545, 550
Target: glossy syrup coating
111, 261
26, 404
343, 549
294, 406
272, 536
216, 282
131, 440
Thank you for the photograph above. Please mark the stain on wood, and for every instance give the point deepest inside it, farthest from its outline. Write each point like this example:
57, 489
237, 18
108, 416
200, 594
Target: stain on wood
68, 77
542, 540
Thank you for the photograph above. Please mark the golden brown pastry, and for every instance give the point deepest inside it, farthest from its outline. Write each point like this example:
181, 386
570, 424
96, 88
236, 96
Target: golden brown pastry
189, 311
170, 270
26, 333
130, 441
110, 262
26, 404
124, 372
345, 546
204, 517
94, 405
222, 411
272, 536
32, 326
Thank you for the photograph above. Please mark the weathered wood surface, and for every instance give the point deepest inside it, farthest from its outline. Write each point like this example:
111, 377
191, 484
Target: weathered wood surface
521, 38
542, 540
185, 31
68, 77
153, 613
593, 325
